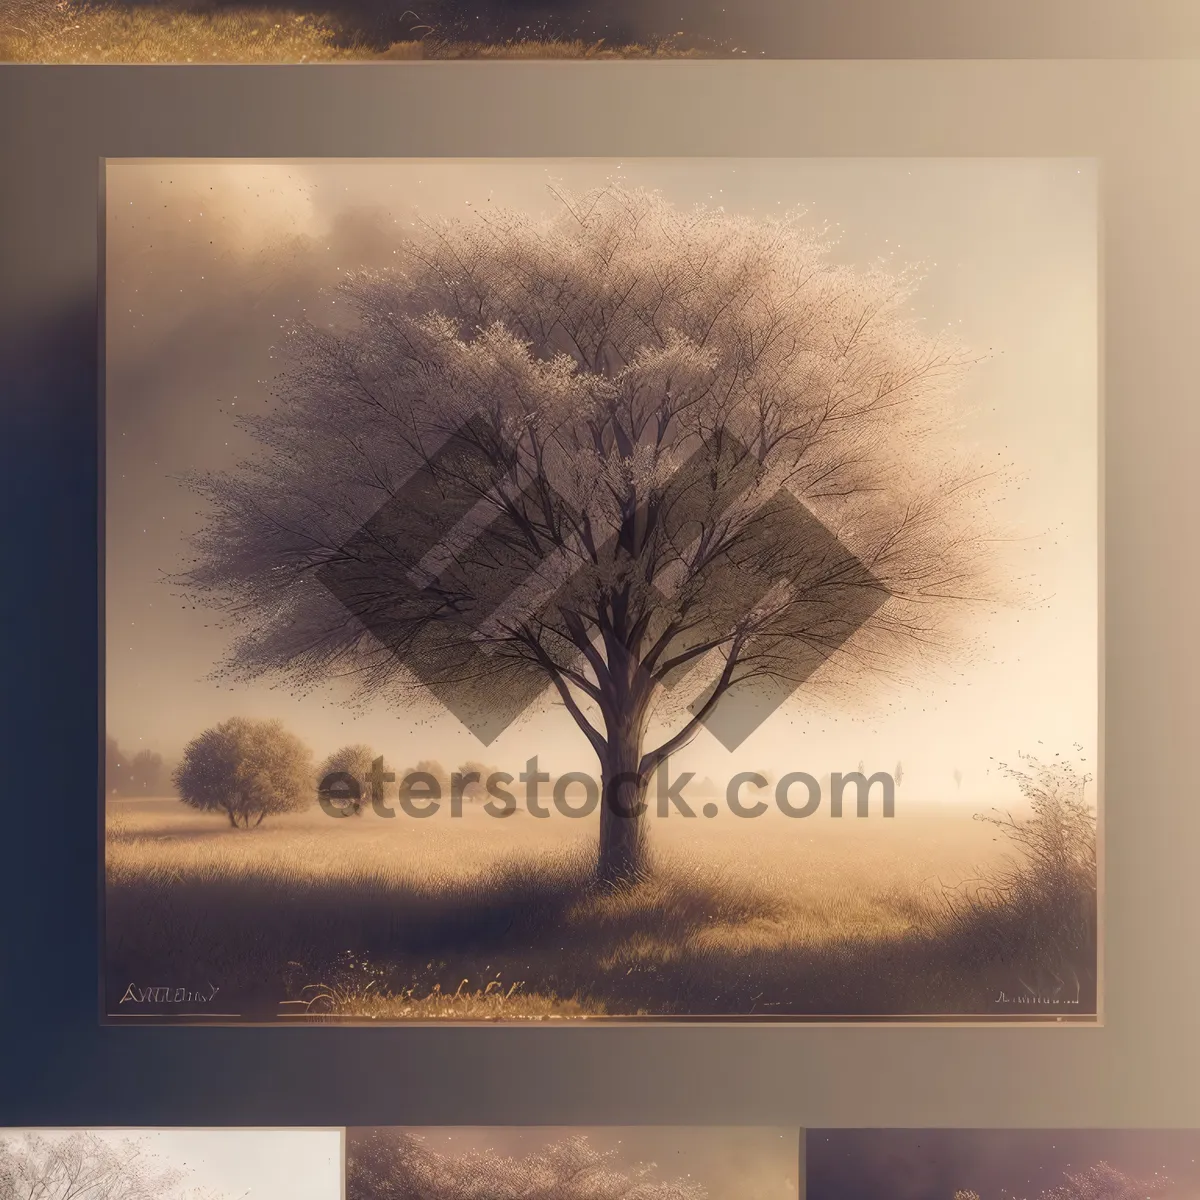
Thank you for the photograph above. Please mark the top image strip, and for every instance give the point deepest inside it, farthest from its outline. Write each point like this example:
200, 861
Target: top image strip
309, 31
377, 31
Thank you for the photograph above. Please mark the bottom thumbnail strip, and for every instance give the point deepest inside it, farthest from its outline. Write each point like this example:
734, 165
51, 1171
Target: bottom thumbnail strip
602, 1162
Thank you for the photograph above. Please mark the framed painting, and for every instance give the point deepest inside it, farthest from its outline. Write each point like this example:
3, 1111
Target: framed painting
576, 590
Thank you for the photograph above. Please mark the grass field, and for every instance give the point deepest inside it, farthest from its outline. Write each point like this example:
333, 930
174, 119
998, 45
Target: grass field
112, 31
925, 913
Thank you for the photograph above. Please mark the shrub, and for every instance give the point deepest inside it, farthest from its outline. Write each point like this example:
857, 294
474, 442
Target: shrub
477, 789
1040, 907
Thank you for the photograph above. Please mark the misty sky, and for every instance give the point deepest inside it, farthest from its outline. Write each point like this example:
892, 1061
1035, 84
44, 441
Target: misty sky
205, 261
931, 1164
229, 1164
731, 1163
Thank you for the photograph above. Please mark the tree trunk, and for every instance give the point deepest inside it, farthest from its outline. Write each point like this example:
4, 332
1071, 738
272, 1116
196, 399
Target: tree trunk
623, 828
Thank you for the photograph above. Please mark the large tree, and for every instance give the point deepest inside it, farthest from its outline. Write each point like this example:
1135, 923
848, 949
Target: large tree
668, 464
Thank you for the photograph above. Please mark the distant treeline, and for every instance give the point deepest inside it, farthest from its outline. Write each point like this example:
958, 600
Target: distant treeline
143, 773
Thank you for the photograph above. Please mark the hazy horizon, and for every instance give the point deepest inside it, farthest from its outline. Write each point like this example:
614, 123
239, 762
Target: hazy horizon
729, 1162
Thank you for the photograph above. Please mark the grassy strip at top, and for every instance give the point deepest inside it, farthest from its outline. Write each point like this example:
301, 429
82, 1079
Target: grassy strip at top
62, 31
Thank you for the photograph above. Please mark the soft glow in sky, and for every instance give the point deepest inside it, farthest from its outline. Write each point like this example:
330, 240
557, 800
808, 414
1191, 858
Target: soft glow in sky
205, 260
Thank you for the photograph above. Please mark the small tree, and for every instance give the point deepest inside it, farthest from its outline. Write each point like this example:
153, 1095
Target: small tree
388, 1164
140, 774
430, 766
148, 775
357, 761
245, 769
477, 788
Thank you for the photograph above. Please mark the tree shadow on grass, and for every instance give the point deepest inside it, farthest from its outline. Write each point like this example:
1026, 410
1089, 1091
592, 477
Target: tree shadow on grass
683, 942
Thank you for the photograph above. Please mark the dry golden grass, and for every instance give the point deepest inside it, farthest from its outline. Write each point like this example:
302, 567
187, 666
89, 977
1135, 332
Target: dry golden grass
351, 996
69, 33
480, 918
532, 48
62, 31
824, 876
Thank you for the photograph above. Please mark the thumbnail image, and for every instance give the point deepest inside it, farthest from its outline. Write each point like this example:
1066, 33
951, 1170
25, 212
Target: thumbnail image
1002, 1164
171, 1164
548, 1163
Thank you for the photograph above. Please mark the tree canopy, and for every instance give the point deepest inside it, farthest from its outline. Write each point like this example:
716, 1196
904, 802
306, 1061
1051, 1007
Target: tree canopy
246, 769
